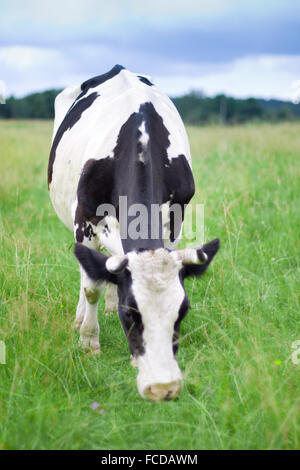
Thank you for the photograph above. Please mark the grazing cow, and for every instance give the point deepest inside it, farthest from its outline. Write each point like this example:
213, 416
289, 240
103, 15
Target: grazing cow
117, 139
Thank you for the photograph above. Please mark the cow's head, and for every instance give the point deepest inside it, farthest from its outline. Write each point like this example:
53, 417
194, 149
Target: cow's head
152, 303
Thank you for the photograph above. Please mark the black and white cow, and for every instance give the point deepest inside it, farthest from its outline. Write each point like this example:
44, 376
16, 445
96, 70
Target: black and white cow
117, 136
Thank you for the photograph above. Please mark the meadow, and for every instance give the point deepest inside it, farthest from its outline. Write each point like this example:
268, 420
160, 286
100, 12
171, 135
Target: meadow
241, 386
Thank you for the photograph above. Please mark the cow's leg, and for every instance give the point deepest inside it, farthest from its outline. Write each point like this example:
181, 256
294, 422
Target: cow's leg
111, 298
81, 306
89, 329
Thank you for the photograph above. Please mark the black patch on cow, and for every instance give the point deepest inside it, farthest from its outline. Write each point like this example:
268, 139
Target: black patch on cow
94, 263
70, 119
129, 314
211, 250
181, 314
146, 182
145, 80
183, 310
96, 81
95, 187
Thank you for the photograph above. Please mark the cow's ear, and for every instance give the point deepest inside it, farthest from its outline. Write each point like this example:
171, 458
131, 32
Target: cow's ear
195, 269
94, 264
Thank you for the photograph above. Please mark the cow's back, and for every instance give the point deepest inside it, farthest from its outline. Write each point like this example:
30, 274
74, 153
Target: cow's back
88, 122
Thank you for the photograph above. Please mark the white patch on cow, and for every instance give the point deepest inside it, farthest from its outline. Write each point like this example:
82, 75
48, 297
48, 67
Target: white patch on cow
144, 139
190, 256
81, 307
165, 211
114, 262
63, 103
108, 235
159, 295
111, 298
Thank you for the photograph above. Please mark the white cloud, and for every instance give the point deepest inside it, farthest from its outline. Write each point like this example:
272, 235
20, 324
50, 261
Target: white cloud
265, 76
25, 69
23, 57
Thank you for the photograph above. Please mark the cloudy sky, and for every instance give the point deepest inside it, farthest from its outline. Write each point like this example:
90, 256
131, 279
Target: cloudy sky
239, 47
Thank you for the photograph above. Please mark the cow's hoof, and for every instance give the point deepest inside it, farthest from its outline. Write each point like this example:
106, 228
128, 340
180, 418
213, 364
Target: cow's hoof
90, 344
109, 311
95, 351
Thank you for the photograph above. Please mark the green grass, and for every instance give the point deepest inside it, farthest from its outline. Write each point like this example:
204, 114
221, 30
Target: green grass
241, 387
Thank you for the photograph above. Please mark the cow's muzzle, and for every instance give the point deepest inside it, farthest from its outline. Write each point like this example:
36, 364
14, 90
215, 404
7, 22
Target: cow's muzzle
163, 392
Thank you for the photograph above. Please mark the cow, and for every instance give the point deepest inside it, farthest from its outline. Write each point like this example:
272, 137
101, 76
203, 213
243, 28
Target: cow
117, 139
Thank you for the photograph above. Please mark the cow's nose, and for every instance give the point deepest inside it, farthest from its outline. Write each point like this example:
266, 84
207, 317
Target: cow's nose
160, 392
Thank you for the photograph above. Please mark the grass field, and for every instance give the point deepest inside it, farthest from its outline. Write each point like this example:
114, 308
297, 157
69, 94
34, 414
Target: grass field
241, 386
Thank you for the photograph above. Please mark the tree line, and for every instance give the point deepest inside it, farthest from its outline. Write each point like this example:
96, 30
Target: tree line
194, 108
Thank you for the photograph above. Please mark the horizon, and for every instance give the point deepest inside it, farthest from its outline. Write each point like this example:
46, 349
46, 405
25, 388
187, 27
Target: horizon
203, 95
